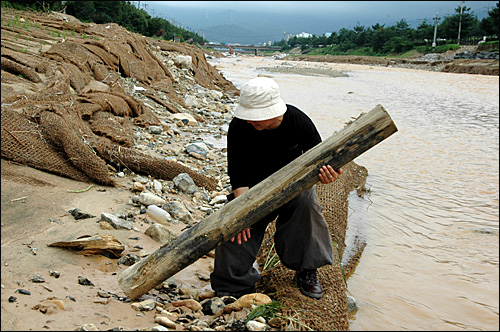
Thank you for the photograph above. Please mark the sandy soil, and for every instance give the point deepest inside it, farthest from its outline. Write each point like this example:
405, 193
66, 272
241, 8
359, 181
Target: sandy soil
35, 213
30, 199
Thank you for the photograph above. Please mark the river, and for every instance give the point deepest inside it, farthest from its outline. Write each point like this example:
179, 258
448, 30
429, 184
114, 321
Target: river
431, 215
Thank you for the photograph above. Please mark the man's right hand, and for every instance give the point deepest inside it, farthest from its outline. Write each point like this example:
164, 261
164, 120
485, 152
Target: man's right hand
245, 235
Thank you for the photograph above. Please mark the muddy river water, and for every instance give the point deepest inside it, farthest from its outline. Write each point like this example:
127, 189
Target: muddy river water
431, 215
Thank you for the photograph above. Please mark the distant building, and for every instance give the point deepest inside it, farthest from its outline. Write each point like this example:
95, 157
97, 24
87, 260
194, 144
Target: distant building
304, 35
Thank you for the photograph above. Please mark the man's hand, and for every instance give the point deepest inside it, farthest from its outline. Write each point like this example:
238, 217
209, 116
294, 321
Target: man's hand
327, 174
245, 235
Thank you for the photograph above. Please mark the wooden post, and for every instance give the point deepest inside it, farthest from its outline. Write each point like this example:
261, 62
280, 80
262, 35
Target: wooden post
245, 210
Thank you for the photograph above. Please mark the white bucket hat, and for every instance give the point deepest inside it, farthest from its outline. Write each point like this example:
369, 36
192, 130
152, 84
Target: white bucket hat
260, 100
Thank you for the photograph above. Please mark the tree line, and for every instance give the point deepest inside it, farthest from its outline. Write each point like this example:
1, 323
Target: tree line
122, 13
377, 40
399, 38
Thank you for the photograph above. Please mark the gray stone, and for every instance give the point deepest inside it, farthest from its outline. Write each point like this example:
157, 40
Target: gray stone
199, 148
156, 130
116, 222
178, 211
160, 233
185, 183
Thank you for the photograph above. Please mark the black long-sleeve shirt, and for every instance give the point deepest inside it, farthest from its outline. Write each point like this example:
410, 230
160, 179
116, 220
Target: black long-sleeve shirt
253, 155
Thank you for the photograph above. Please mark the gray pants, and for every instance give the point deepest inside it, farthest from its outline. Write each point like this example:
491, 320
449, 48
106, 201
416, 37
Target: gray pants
302, 241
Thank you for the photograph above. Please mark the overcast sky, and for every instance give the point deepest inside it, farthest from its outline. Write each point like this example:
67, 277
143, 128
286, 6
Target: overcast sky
272, 18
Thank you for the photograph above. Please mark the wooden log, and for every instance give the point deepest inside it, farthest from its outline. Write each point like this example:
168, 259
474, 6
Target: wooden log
271, 193
91, 245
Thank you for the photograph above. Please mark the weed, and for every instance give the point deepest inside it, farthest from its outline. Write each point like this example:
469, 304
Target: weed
340, 263
265, 310
271, 261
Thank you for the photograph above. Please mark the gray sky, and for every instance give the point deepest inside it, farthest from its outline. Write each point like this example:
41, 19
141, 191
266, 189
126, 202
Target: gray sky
268, 20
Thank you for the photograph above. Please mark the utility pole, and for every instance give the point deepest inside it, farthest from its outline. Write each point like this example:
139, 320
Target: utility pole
460, 23
435, 31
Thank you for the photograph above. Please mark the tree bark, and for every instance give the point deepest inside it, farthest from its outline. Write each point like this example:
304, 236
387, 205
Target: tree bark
245, 210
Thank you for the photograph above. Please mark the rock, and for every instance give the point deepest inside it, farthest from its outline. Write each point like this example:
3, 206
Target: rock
50, 306
146, 305
23, 291
84, 281
150, 199
158, 187
220, 199
87, 327
246, 301
189, 291
191, 121
351, 304
185, 183
184, 61
197, 149
212, 306
37, 278
256, 326
178, 211
129, 259
137, 186
116, 222
160, 233
155, 130
190, 303
164, 321
80, 214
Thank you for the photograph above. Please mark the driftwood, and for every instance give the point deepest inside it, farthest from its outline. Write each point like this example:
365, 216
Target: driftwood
276, 190
90, 245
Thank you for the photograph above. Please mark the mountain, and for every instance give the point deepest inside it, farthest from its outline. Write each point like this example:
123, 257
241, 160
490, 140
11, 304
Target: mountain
231, 34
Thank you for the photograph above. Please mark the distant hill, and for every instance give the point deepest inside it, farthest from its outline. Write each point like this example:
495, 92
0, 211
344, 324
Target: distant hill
232, 33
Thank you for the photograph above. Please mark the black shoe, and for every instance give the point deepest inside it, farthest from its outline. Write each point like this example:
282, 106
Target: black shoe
308, 283
236, 295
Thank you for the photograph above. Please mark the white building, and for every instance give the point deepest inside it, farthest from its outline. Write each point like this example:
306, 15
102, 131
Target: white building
304, 35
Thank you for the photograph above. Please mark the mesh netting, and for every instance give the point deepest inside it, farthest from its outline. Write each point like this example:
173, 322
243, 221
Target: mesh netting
329, 313
56, 123
23, 142
60, 123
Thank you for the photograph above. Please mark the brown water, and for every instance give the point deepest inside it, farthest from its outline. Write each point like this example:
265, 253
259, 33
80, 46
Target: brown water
431, 218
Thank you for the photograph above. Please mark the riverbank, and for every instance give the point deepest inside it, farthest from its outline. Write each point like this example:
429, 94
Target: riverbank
96, 122
439, 63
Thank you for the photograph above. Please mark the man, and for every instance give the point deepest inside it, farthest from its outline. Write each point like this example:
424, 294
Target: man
265, 135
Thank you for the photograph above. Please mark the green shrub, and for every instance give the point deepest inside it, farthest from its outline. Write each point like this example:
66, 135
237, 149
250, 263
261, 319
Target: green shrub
490, 46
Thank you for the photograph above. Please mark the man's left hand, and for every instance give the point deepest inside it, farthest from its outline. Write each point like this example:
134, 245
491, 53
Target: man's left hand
327, 174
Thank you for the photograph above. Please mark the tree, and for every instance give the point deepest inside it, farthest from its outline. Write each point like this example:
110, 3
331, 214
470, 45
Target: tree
346, 39
424, 31
490, 25
380, 37
469, 26
128, 16
403, 29
363, 35
34, 4
83, 10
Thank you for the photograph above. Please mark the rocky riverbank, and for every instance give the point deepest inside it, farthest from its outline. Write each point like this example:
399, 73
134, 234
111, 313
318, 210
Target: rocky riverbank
466, 60
99, 127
